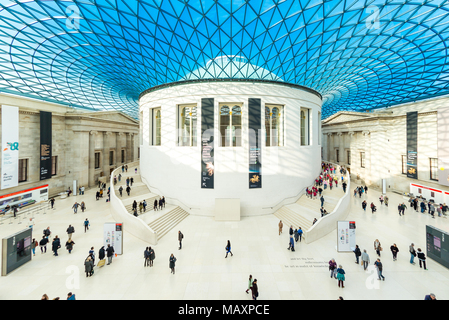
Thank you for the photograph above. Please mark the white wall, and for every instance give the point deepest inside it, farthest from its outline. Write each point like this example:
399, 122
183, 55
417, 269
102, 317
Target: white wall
175, 172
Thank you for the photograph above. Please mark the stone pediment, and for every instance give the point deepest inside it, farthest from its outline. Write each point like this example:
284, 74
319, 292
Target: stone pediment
111, 116
344, 116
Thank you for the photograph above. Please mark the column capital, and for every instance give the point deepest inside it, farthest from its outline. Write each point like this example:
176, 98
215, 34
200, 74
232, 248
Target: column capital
93, 132
120, 133
351, 133
130, 134
365, 133
339, 133
107, 133
329, 134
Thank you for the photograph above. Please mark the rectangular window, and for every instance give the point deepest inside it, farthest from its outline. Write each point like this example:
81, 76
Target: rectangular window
337, 154
362, 159
274, 126
434, 169
54, 165
23, 170
97, 160
348, 156
123, 156
305, 130
319, 128
157, 122
230, 125
111, 158
404, 164
187, 125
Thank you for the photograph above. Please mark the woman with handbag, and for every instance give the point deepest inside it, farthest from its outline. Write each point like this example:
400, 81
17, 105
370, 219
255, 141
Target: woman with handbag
377, 247
254, 290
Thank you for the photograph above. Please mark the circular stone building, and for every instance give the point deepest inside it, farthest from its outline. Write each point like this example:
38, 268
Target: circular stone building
240, 141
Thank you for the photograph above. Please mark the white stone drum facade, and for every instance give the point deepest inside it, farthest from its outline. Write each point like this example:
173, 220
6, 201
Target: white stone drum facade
171, 158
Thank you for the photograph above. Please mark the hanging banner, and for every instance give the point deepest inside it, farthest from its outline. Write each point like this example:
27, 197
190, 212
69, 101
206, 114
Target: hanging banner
207, 143
412, 145
46, 145
10, 147
346, 236
255, 151
443, 146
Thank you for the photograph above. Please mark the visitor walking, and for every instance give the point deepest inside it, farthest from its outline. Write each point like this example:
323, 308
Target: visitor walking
152, 255
146, 256
357, 253
56, 244
110, 253
254, 290
377, 247
250, 283
394, 250
89, 267
172, 262
43, 244
75, 207
422, 259
412, 253
70, 231
379, 267
333, 268
365, 260
69, 245
86, 225
281, 225
340, 276
228, 249
180, 237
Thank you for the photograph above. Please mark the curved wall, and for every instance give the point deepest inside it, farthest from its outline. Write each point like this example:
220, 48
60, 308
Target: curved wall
175, 171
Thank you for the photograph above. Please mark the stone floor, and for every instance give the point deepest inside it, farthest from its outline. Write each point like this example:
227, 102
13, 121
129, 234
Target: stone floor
202, 272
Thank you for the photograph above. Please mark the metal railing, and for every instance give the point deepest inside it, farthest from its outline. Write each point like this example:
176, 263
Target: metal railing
25, 213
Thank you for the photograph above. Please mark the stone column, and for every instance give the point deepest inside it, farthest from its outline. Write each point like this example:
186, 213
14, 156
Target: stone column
129, 147
330, 146
341, 149
367, 175
118, 149
106, 148
92, 136
353, 151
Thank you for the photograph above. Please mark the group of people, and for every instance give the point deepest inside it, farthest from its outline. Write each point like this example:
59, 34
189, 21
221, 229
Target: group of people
360, 190
428, 206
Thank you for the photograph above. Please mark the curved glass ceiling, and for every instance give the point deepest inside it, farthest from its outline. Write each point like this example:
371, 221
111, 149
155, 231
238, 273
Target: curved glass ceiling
101, 55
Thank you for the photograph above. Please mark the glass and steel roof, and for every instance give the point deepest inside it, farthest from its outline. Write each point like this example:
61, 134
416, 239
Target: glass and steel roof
100, 55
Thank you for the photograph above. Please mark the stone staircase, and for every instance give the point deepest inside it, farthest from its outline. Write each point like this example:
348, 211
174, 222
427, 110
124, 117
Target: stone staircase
302, 213
168, 221
160, 222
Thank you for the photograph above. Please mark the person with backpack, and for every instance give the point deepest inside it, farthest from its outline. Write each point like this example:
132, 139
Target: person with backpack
180, 237
101, 253
47, 232
34, 244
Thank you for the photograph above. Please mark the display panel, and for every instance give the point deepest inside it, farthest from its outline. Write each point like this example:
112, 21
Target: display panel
16, 250
10, 147
437, 245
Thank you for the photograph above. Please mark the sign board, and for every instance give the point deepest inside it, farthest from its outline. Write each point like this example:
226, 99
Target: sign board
345, 236
113, 235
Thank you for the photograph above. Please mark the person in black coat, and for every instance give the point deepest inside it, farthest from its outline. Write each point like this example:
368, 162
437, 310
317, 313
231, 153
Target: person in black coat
357, 253
110, 253
101, 253
56, 244
394, 249
255, 290
43, 244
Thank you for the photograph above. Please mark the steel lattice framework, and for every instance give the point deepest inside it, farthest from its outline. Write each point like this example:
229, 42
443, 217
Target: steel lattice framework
100, 55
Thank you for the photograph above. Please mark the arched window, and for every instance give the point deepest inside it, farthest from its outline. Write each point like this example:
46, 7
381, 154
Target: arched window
274, 126
231, 125
187, 126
